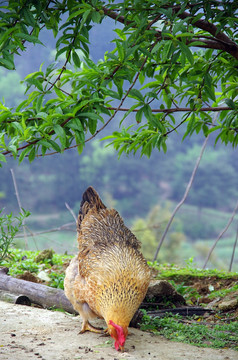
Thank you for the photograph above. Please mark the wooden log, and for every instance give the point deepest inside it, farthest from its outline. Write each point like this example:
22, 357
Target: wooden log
14, 299
37, 293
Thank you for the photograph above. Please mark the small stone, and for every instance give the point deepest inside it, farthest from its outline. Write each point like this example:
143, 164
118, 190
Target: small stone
43, 276
228, 305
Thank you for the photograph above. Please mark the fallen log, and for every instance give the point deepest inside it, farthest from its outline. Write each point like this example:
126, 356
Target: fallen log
14, 299
17, 290
37, 293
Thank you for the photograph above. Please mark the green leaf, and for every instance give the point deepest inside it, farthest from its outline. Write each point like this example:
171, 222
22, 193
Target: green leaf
29, 17
24, 153
134, 93
187, 52
210, 92
76, 59
120, 49
92, 125
44, 143
139, 115
166, 50
121, 34
54, 145
30, 38
96, 17
230, 103
37, 83
75, 124
110, 93
91, 115
75, 14
80, 148
32, 154
2, 158
39, 103
59, 130
61, 51
59, 93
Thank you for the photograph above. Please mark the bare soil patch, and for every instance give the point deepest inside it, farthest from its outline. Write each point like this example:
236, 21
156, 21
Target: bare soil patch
35, 333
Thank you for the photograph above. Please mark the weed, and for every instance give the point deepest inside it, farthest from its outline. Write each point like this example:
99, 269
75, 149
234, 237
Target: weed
9, 226
25, 261
223, 292
57, 280
175, 328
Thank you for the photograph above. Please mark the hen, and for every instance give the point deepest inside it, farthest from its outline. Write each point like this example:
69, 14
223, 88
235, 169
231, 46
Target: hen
109, 277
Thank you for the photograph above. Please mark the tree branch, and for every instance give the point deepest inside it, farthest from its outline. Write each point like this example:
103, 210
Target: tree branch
228, 45
220, 41
233, 250
183, 109
220, 235
189, 185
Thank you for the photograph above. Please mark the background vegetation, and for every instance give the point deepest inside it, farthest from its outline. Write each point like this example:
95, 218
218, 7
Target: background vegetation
91, 74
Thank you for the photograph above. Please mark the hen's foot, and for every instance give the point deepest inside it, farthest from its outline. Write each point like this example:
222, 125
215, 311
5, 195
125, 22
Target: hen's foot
105, 332
88, 327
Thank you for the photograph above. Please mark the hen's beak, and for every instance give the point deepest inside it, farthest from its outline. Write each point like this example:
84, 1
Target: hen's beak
121, 348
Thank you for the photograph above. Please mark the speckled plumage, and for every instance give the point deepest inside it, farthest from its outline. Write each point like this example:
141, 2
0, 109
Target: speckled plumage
109, 277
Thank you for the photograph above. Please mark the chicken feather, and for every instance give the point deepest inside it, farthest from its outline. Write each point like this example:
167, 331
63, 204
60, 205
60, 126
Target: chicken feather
109, 277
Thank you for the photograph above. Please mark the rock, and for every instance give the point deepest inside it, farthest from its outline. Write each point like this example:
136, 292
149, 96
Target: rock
162, 291
158, 288
43, 276
228, 305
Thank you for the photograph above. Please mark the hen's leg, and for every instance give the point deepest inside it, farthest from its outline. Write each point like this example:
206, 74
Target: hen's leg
88, 327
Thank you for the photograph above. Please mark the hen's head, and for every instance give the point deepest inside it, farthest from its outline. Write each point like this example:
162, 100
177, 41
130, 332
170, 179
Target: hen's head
118, 333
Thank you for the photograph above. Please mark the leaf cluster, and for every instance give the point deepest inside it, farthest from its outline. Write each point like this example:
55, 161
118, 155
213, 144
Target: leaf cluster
177, 57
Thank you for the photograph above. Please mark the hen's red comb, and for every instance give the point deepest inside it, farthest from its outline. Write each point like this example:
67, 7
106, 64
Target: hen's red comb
120, 332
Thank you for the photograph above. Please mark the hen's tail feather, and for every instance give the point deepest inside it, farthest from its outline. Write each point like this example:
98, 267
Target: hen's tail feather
90, 199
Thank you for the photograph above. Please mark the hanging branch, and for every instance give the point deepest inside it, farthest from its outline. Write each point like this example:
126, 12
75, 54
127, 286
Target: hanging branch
220, 235
233, 251
19, 204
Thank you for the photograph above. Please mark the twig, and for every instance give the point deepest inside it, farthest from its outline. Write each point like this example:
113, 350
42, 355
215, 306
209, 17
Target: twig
179, 109
185, 194
71, 212
220, 235
233, 251
19, 204
60, 228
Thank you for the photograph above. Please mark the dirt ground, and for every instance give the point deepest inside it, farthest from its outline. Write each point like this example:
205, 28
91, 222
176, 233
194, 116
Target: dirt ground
34, 333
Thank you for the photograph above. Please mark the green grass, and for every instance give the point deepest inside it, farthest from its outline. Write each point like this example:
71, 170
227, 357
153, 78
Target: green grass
174, 272
175, 328
23, 260
222, 293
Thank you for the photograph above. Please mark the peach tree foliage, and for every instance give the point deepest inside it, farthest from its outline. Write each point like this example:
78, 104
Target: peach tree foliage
169, 57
